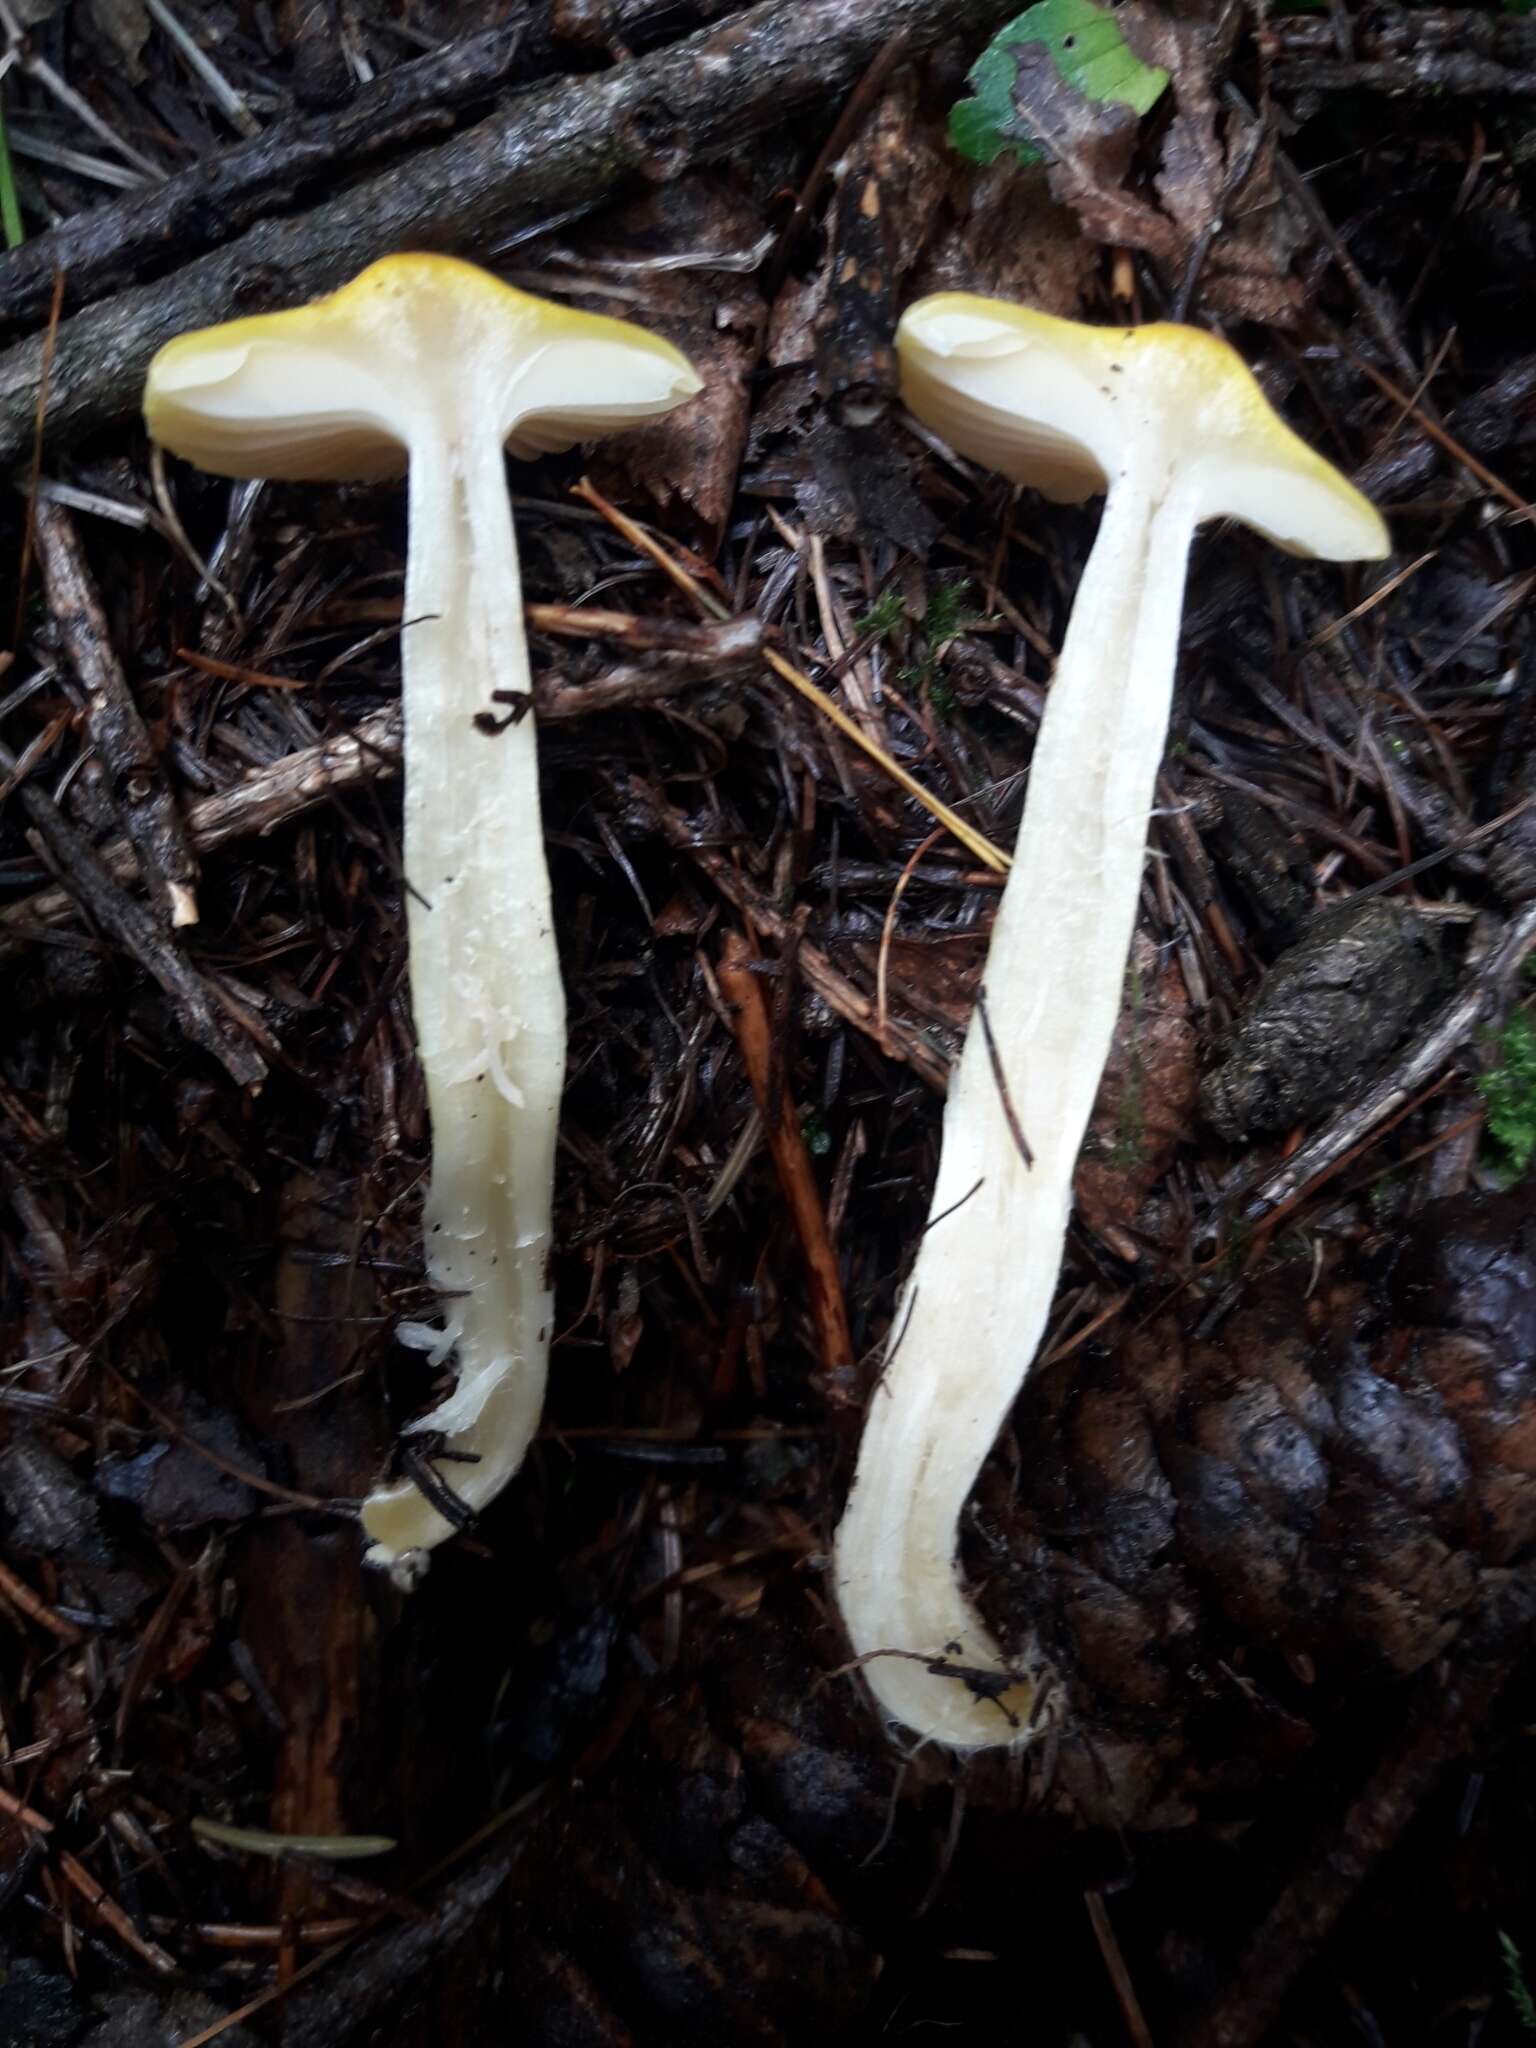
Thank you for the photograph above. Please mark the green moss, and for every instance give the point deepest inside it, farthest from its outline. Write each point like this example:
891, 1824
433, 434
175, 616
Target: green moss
1510, 1094
1514, 1978
948, 609
885, 617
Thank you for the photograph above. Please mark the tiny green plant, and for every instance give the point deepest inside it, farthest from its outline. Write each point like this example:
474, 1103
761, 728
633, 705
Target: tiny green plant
1083, 46
1510, 1094
1514, 1976
885, 616
10, 206
947, 611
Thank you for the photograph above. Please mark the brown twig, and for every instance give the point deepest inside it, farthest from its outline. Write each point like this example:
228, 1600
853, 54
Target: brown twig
21, 1595
150, 230
269, 797
976, 842
111, 1915
1119, 1976
897, 1040
786, 1141
28, 1816
1442, 438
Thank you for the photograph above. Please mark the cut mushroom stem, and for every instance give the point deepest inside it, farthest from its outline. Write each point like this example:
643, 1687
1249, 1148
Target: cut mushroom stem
1172, 424
426, 362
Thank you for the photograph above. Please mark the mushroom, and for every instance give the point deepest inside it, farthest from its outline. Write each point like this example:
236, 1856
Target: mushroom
1170, 422
429, 364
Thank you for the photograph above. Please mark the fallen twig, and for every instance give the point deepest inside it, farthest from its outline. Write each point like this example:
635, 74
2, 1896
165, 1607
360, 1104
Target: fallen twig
743, 991
897, 1040
1422, 53
976, 842
135, 782
1485, 423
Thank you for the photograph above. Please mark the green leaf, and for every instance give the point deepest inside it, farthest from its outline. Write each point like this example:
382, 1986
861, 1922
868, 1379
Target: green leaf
979, 128
1090, 56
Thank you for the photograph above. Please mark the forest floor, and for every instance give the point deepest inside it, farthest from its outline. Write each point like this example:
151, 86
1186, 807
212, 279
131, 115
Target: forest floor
1268, 1503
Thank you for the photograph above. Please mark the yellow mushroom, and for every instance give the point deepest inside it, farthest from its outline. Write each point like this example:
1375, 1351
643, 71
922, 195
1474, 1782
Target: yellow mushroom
427, 364
1171, 423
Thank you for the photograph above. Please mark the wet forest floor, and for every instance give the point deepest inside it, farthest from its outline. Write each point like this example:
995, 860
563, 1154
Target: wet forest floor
1268, 1501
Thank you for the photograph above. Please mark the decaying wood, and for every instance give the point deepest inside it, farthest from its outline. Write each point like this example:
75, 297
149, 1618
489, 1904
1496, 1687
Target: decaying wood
1450, 1027
127, 764
167, 224
542, 155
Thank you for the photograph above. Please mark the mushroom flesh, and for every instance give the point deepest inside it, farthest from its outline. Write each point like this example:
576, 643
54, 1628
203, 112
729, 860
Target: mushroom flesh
430, 365
1173, 426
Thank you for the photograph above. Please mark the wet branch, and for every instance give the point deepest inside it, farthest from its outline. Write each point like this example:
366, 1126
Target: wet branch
537, 158
153, 230
123, 756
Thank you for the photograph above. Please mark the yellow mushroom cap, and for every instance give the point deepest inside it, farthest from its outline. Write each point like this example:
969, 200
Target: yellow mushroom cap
339, 389
1066, 407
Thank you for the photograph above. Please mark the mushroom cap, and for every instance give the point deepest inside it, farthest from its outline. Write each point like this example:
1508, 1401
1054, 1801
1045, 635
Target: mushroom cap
339, 389
1065, 407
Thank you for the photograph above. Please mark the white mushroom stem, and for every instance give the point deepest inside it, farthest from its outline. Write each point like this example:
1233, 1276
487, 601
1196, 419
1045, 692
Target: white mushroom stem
975, 1307
485, 981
